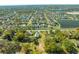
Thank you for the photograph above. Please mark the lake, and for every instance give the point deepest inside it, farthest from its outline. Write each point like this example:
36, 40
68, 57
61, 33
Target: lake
69, 23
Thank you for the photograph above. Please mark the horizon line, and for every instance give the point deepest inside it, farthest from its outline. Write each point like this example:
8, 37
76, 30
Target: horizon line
34, 4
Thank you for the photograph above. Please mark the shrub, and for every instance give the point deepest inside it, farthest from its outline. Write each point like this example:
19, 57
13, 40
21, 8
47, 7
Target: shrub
7, 47
28, 48
1, 32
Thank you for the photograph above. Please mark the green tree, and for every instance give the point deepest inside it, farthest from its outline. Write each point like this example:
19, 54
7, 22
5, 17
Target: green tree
69, 47
8, 35
21, 37
7, 47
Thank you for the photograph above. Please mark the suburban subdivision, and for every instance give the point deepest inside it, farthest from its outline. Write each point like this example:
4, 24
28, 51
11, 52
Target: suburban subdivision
39, 29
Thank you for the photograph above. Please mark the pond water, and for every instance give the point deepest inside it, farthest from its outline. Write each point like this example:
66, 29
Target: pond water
69, 23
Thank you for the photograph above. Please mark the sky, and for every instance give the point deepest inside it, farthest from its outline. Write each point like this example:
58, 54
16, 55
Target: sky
35, 2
